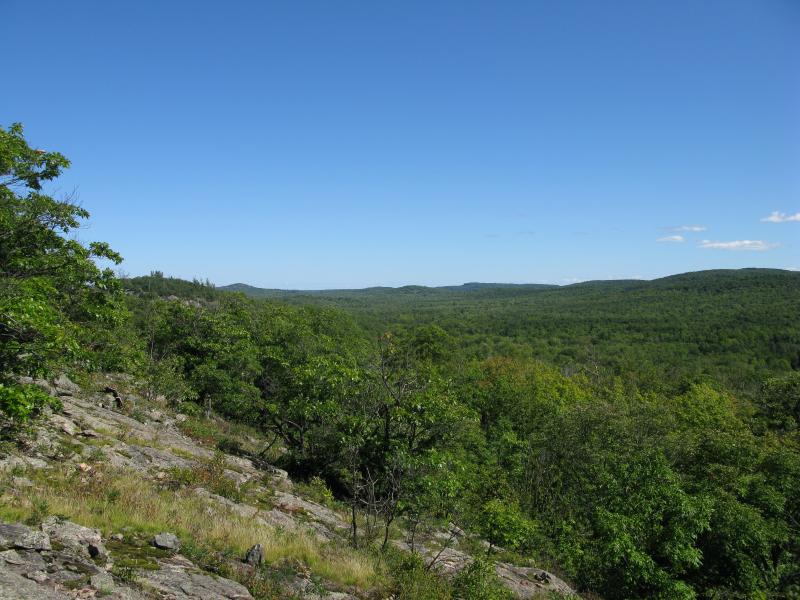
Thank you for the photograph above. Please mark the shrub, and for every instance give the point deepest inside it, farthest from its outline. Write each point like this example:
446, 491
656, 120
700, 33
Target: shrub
20, 402
504, 525
478, 581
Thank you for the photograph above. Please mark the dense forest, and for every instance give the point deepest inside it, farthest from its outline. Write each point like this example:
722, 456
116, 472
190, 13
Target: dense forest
640, 438
735, 327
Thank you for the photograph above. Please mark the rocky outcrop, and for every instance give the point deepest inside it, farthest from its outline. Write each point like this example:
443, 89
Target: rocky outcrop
180, 579
18, 537
56, 562
65, 387
14, 586
61, 559
529, 582
81, 540
524, 582
167, 541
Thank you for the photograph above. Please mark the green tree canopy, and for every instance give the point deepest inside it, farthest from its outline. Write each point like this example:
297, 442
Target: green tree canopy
56, 304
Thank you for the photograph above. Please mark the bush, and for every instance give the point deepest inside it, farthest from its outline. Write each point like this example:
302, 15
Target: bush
317, 490
20, 402
504, 525
231, 445
412, 581
479, 582
209, 474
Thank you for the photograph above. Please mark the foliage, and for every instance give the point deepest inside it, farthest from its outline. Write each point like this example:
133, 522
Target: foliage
641, 436
20, 402
780, 402
479, 582
734, 326
57, 306
673, 491
503, 524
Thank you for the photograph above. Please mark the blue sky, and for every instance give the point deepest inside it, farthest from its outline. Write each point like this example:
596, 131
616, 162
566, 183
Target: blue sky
346, 144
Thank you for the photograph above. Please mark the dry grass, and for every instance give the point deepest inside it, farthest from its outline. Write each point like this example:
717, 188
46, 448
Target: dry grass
114, 501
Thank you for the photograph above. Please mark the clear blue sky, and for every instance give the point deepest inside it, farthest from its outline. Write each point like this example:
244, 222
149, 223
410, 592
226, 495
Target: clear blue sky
346, 144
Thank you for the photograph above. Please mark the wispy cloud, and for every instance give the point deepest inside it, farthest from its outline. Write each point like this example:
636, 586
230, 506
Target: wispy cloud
779, 217
757, 245
491, 236
693, 228
671, 238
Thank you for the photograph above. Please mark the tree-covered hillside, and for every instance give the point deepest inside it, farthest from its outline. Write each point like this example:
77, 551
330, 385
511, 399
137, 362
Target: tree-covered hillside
733, 325
642, 439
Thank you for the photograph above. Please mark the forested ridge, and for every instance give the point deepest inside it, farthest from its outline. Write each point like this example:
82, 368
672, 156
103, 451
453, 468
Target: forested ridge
640, 438
736, 326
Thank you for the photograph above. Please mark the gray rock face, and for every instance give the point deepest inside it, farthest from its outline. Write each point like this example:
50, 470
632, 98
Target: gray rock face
529, 582
21, 537
524, 582
65, 387
37, 576
290, 503
47, 567
167, 541
31, 569
23, 561
82, 540
16, 587
103, 582
66, 425
41, 384
12, 462
21, 482
255, 556
178, 579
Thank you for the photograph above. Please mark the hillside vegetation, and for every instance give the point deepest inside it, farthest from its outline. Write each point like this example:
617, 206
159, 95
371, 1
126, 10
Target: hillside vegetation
731, 326
638, 438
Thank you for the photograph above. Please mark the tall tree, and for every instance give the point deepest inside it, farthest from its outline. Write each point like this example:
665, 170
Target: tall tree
52, 293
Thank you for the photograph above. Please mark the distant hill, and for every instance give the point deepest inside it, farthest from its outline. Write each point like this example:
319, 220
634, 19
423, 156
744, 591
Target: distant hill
256, 292
157, 284
734, 325
710, 279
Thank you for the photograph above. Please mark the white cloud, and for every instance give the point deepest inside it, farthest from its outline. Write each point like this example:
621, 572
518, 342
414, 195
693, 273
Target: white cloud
779, 217
671, 238
757, 245
690, 228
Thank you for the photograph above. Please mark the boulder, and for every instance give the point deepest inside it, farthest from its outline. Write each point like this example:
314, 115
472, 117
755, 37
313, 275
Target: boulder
66, 387
20, 537
179, 579
37, 576
102, 582
167, 541
21, 482
530, 582
84, 541
16, 587
255, 556
66, 425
